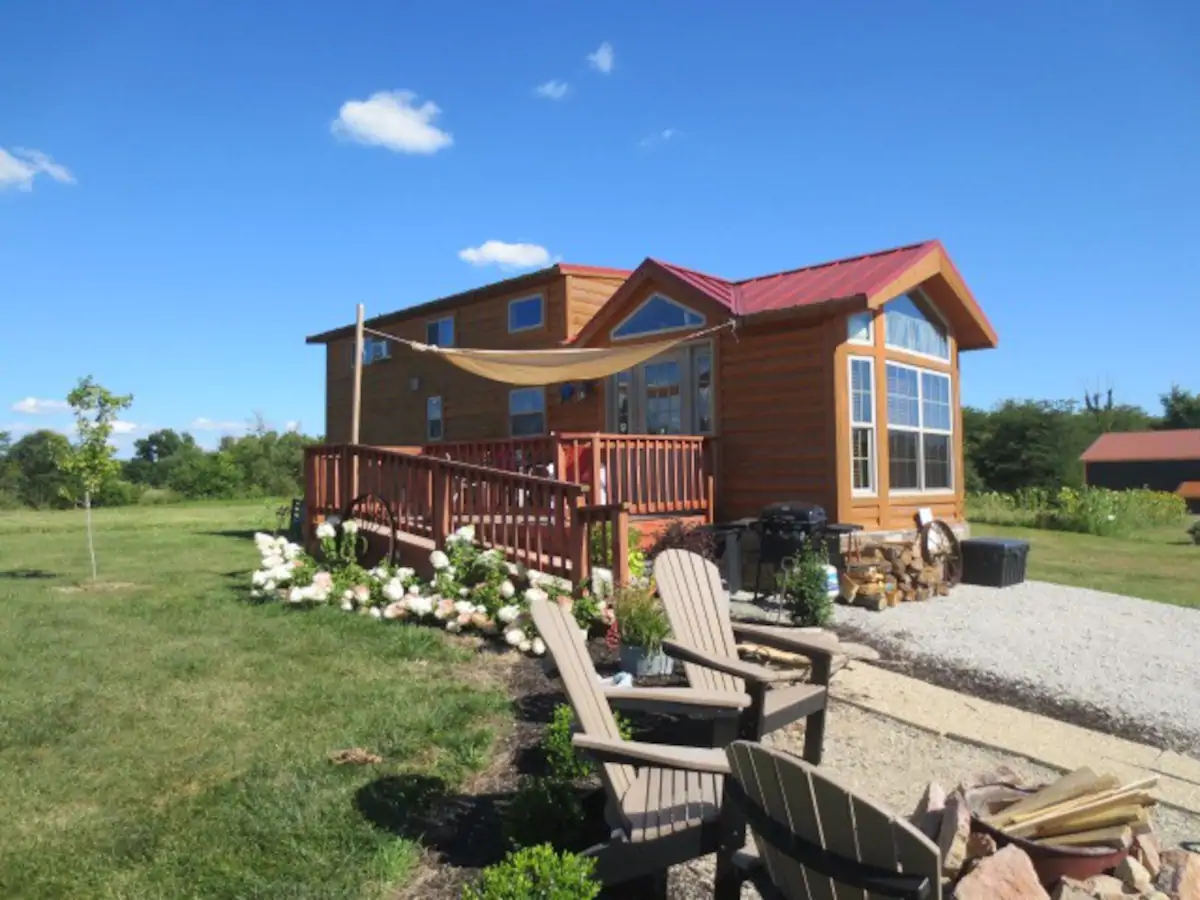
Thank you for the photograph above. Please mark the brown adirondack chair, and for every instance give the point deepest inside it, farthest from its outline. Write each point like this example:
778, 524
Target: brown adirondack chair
815, 839
704, 638
663, 800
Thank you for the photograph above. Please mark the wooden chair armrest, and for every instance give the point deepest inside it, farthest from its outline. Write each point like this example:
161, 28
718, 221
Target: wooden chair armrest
661, 756
649, 698
739, 668
781, 639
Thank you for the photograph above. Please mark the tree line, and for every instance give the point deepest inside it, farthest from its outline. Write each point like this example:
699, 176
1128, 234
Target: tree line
36, 470
1037, 443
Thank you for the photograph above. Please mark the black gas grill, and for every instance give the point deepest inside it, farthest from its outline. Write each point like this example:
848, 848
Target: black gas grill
785, 530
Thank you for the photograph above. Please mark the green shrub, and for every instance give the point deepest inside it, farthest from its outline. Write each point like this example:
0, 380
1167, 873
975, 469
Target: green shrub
564, 760
543, 810
1194, 531
641, 620
600, 549
158, 497
537, 873
117, 492
693, 538
1088, 510
804, 589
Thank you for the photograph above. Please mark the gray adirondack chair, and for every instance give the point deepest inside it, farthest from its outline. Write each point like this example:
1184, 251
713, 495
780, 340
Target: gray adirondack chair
663, 800
815, 839
704, 638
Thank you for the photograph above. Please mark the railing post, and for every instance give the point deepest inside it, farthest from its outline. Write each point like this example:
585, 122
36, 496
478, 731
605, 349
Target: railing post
343, 485
620, 546
577, 537
710, 479
596, 498
560, 456
440, 505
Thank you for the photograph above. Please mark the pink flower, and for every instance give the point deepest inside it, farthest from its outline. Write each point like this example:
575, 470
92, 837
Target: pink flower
362, 593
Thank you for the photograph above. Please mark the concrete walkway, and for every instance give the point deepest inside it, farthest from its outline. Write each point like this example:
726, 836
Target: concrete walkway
1054, 744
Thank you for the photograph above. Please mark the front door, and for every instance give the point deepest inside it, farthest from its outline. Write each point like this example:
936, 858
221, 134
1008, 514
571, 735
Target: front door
662, 396
670, 394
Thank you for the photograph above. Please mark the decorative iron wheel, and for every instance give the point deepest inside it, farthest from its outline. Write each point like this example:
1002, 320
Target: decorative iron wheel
940, 544
374, 516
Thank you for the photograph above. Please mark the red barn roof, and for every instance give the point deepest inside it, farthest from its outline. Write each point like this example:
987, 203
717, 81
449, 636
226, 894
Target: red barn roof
1144, 446
1189, 490
871, 279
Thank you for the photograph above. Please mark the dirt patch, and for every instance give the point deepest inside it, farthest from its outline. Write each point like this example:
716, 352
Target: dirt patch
99, 587
1021, 696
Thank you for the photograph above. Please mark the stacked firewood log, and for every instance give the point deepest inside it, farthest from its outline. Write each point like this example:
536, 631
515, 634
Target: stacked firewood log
890, 573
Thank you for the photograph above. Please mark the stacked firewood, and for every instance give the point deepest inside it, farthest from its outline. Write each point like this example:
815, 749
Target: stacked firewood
887, 574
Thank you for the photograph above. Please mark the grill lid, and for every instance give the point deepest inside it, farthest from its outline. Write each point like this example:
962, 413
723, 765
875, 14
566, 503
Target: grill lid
794, 512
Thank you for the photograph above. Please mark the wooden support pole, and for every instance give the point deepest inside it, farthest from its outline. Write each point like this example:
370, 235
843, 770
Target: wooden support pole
356, 402
577, 539
620, 547
441, 505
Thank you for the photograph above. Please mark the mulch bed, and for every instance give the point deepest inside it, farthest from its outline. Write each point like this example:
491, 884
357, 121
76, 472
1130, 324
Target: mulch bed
462, 832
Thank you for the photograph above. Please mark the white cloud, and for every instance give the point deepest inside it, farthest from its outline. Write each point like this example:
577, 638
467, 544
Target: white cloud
120, 426
506, 256
660, 137
19, 167
552, 89
291, 425
389, 119
203, 424
35, 406
602, 58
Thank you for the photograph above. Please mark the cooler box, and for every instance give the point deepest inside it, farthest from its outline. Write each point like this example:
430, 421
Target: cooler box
994, 562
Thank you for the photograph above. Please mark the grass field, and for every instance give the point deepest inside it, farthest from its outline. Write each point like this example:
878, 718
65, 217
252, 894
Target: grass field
1159, 564
167, 739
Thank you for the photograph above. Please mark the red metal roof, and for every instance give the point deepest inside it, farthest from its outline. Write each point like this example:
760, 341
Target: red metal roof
1189, 490
1144, 446
810, 285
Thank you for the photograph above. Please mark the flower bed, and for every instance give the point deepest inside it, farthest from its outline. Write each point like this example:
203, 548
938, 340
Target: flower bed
472, 589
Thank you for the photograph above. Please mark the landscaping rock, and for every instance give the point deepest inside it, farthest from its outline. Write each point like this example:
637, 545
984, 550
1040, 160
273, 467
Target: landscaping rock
1105, 887
1134, 875
953, 833
1148, 853
927, 817
1007, 875
1179, 876
1070, 889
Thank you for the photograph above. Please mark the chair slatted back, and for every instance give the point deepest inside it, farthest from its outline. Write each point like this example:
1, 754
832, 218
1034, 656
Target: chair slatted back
564, 642
814, 808
698, 610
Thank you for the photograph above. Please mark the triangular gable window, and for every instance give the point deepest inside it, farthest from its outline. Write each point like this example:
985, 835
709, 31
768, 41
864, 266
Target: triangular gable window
657, 315
910, 323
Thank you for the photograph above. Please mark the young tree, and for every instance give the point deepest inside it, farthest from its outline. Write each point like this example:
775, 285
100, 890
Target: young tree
1181, 409
92, 462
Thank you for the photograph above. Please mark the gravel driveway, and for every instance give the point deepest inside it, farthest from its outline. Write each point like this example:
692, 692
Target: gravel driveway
1118, 664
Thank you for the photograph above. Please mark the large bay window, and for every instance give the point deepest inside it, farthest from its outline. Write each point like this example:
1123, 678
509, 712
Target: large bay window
919, 429
862, 425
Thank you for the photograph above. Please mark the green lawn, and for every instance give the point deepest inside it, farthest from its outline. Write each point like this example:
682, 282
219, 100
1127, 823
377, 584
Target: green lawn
169, 739
1159, 564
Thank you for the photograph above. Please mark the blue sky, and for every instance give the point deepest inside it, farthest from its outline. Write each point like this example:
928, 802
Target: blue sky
178, 208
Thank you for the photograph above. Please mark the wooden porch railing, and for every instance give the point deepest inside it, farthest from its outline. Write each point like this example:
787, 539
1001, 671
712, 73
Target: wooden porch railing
650, 474
541, 522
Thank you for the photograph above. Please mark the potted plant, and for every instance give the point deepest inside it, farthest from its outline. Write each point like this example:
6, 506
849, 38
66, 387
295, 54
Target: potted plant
641, 625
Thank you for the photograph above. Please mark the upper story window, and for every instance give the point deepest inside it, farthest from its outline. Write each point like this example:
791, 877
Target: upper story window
527, 411
440, 332
656, 315
433, 418
526, 313
861, 328
374, 350
911, 324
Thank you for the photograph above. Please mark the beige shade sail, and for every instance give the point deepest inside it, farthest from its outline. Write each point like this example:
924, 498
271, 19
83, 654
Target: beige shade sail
541, 367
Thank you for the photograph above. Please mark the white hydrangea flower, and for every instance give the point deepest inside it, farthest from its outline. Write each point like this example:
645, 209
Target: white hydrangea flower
347, 606
462, 592
514, 636
393, 590
464, 606
539, 647
350, 527
280, 573
255, 592
376, 612
508, 614
347, 594
533, 577
291, 551
414, 590
362, 593
466, 533
263, 540
258, 579
507, 591
281, 541
296, 595
269, 586
405, 574
272, 561
453, 626
326, 530
535, 594
439, 560
525, 646
394, 611
420, 606
380, 573
480, 608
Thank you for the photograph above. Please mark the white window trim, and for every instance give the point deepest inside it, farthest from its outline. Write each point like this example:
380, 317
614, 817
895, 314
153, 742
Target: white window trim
869, 340
656, 295
545, 415
916, 354
920, 430
873, 491
439, 321
541, 322
441, 418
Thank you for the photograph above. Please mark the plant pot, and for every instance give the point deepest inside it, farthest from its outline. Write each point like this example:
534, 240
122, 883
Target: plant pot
642, 664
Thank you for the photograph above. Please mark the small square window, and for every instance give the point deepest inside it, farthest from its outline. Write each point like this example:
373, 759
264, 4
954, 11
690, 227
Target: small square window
861, 328
526, 314
440, 332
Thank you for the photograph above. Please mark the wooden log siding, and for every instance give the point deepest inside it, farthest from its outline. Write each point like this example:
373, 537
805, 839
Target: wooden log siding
531, 520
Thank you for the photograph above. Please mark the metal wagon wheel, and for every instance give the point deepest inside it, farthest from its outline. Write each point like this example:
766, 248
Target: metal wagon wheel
372, 510
940, 544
